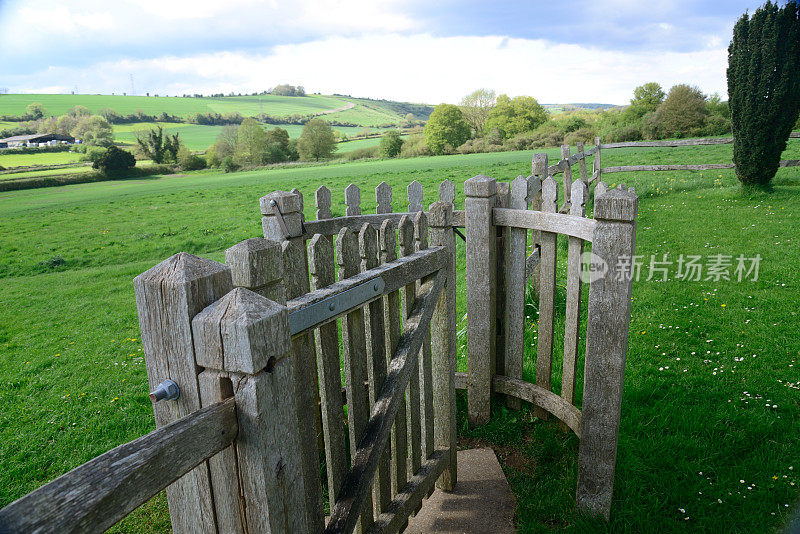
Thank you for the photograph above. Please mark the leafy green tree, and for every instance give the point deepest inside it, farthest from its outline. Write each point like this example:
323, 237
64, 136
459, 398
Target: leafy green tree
277, 145
683, 113
80, 111
647, 97
159, 147
391, 144
93, 130
114, 161
317, 141
251, 143
515, 116
763, 88
476, 107
446, 127
34, 111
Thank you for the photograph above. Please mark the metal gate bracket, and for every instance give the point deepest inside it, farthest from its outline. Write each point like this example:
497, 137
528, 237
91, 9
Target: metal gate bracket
325, 309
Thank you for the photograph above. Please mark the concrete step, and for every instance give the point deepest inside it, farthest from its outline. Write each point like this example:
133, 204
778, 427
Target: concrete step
482, 502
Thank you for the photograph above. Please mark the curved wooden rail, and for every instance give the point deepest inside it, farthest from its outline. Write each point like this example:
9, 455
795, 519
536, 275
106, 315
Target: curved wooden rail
557, 223
547, 400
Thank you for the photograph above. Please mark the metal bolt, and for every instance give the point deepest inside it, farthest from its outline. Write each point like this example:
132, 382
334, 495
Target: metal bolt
166, 390
273, 202
332, 306
376, 286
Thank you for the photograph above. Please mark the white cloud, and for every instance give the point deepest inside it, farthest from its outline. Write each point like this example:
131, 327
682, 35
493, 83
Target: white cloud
421, 68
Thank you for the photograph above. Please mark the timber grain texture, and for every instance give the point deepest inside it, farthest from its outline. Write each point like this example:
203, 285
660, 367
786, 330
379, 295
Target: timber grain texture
94, 496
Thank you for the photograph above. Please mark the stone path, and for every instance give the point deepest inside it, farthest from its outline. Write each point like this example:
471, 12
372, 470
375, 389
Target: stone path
481, 504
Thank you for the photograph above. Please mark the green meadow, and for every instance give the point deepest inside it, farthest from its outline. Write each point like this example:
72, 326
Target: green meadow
708, 438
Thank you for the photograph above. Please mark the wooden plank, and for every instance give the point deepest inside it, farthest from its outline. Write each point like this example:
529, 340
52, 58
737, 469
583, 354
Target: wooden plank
481, 239
97, 494
355, 491
257, 264
649, 168
514, 319
303, 355
415, 197
376, 358
567, 178
330, 378
352, 199
572, 316
420, 485
531, 263
606, 349
670, 143
425, 366
552, 222
392, 319
406, 234
383, 197
597, 164
543, 399
547, 294
538, 173
582, 162
501, 201
459, 219
322, 199
168, 296
444, 347
332, 227
355, 359
789, 163
447, 192
395, 274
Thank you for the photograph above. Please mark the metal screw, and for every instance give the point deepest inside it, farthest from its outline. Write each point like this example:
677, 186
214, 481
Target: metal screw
272, 202
332, 306
376, 286
166, 390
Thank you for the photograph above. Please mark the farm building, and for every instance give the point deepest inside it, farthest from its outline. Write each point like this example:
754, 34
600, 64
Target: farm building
36, 140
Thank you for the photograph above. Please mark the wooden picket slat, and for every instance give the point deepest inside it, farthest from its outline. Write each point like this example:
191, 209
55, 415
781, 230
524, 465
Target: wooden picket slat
567, 178
376, 357
582, 163
352, 199
355, 357
383, 197
515, 294
447, 192
330, 377
572, 315
425, 366
406, 234
547, 294
392, 314
415, 197
322, 200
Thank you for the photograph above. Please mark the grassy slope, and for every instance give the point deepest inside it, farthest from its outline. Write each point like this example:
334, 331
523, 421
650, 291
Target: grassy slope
15, 104
44, 158
73, 378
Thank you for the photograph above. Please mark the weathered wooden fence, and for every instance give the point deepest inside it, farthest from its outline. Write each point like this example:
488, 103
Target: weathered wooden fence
254, 347
498, 222
671, 144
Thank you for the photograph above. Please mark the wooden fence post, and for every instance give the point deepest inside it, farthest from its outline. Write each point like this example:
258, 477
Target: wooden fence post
567, 178
538, 173
481, 192
606, 348
582, 162
444, 349
514, 311
168, 296
597, 164
282, 221
246, 336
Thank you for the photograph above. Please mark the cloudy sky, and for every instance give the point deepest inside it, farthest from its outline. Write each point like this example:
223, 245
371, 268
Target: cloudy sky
414, 50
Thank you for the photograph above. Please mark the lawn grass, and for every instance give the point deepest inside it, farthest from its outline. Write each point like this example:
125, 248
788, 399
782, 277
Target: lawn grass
73, 383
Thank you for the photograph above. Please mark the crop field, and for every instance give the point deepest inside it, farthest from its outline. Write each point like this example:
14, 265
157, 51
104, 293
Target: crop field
708, 438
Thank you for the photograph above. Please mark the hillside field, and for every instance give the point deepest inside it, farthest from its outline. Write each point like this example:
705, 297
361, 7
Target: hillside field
708, 437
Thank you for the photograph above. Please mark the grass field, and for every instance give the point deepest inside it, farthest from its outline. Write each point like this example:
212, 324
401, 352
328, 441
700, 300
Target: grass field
43, 158
708, 438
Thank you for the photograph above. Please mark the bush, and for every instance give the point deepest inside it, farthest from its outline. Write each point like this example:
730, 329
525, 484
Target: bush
479, 145
362, 153
190, 162
446, 126
415, 146
114, 162
621, 134
228, 165
93, 153
391, 144
585, 135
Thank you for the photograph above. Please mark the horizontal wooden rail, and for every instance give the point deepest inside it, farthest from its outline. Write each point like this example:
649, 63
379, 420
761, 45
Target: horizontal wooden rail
395, 274
357, 483
557, 223
648, 168
409, 499
99, 493
561, 165
355, 222
677, 142
535, 395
